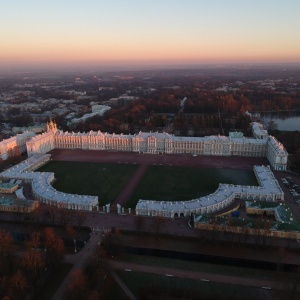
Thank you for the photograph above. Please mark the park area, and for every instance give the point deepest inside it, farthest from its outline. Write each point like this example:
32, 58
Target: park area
157, 182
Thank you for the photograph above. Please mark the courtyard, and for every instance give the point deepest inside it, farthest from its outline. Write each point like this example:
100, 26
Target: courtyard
124, 178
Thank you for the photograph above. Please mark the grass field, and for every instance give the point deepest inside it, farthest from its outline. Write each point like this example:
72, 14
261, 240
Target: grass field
97, 179
159, 183
182, 183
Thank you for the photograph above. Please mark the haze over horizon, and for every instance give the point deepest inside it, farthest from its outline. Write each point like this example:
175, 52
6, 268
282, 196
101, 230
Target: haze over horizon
41, 34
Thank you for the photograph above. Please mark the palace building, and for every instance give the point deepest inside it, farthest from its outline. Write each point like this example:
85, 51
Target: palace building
261, 145
18, 141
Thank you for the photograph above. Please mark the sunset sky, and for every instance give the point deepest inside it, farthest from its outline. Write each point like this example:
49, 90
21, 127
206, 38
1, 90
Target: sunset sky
144, 32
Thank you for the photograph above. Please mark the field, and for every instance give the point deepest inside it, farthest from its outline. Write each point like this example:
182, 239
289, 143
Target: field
107, 180
182, 183
86, 178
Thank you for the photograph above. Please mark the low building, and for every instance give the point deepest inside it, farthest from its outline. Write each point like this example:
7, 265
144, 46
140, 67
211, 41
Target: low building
41, 185
268, 190
17, 205
285, 224
8, 188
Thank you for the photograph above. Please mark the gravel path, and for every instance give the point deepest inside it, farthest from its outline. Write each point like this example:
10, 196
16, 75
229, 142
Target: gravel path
133, 182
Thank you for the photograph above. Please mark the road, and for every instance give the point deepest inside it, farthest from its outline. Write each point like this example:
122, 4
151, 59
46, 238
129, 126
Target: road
79, 260
201, 276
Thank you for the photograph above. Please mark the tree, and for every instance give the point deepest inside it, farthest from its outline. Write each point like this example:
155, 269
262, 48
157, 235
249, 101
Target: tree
77, 288
70, 231
270, 125
18, 285
54, 247
6, 243
14, 155
35, 241
33, 261
6, 252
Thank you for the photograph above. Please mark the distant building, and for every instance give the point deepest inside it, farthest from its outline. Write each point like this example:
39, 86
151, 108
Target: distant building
36, 129
258, 131
100, 109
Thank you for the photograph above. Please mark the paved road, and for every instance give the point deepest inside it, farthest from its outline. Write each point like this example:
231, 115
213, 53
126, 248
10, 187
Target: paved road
79, 260
201, 276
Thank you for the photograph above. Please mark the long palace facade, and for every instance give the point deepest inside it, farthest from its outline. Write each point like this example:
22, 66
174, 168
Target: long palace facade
261, 145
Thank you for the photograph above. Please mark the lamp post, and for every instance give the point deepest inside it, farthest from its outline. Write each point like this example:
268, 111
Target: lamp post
75, 250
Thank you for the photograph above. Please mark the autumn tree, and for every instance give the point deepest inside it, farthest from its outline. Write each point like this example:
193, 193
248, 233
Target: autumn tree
18, 285
33, 259
6, 252
54, 247
70, 231
77, 288
14, 155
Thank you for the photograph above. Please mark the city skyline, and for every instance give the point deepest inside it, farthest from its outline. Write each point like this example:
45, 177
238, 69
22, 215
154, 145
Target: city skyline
56, 33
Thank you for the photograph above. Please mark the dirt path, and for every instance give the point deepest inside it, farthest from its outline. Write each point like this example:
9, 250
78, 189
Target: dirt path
187, 160
131, 185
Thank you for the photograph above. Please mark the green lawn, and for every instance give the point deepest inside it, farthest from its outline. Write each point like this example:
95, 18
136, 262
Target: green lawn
97, 179
159, 183
181, 183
